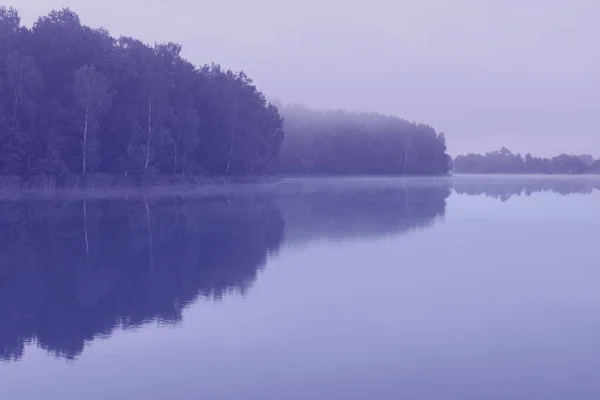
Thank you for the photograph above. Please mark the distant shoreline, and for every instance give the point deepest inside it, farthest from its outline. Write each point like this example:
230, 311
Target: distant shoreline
504, 161
526, 174
275, 185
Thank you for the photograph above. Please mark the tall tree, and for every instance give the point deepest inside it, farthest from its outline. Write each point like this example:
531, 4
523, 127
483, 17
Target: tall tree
10, 27
91, 100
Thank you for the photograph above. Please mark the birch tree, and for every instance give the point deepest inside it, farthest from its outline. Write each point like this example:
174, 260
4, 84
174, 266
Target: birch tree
91, 101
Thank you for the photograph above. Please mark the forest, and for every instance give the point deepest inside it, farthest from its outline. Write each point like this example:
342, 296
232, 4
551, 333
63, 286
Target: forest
78, 104
339, 142
504, 161
76, 100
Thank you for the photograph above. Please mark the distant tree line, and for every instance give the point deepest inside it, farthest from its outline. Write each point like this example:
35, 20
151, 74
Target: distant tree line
340, 142
75, 100
504, 161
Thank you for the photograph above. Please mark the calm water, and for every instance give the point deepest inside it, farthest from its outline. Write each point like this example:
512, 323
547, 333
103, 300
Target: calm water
306, 289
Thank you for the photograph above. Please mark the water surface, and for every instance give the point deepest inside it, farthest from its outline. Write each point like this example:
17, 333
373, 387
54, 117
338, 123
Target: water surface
463, 288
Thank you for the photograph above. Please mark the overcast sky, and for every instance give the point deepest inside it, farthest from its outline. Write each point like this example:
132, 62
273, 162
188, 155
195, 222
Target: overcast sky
519, 73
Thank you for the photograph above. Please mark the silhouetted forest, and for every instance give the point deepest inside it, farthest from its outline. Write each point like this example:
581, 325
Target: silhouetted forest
75, 270
340, 142
504, 189
506, 162
76, 102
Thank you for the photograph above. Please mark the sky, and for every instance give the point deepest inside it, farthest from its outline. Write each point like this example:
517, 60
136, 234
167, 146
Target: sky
524, 74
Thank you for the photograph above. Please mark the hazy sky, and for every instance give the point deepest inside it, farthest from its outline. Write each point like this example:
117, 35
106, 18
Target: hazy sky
520, 73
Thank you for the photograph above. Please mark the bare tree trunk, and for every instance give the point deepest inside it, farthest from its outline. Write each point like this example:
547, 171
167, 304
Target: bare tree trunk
232, 139
149, 135
406, 145
85, 229
85, 134
130, 148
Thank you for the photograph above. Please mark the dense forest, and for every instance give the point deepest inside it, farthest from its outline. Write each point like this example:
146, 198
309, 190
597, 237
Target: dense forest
339, 142
76, 102
506, 162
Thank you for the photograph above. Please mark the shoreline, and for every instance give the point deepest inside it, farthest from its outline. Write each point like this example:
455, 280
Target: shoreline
159, 186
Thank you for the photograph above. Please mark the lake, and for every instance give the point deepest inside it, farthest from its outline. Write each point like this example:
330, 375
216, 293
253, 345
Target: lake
355, 288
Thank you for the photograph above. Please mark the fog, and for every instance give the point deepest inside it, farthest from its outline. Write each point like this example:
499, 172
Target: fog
488, 74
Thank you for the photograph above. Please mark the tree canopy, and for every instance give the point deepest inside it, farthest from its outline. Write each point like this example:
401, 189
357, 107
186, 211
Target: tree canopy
75, 100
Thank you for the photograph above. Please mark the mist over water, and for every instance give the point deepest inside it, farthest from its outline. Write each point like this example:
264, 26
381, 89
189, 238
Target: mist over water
460, 288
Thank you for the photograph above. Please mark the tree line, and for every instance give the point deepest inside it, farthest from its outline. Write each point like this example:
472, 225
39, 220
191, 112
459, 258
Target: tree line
76, 101
340, 142
504, 161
